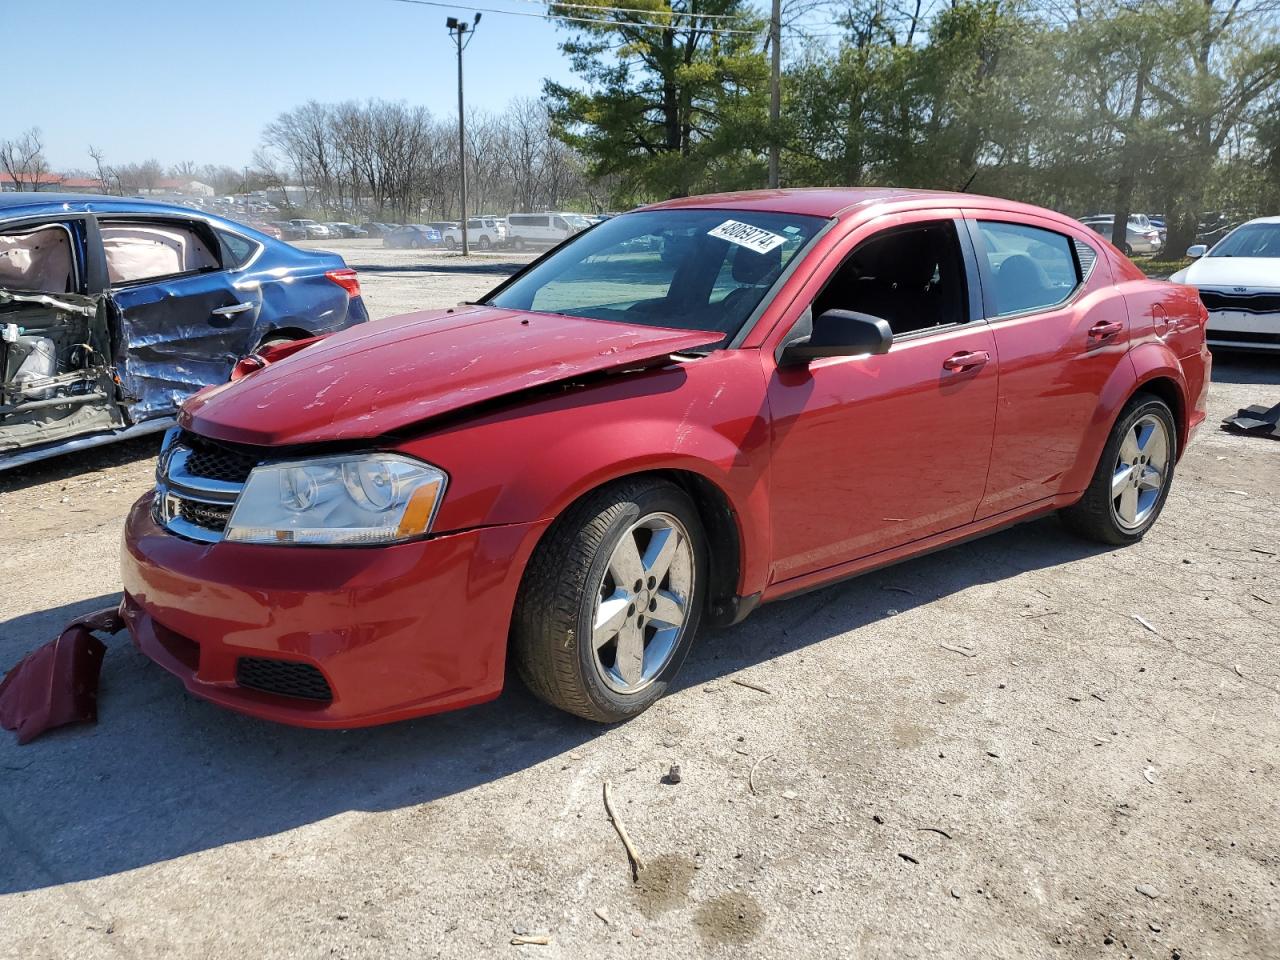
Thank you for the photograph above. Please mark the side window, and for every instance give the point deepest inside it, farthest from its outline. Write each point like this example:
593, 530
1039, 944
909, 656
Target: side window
148, 250
236, 250
913, 278
39, 259
560, 224
1030, 268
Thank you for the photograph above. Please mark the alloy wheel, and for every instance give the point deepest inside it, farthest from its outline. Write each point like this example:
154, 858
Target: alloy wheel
1141, 470
642, 604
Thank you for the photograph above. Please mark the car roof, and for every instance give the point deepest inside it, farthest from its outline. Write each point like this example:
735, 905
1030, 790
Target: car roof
814, 201
1261, 220
79, 202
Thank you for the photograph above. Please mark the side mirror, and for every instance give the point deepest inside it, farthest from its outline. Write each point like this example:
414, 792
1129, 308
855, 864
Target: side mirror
840, 333
1197, 250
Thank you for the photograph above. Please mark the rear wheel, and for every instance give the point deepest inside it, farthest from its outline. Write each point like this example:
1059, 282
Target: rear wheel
611, 601
484, 243
517, 244
1131, 483
450, 242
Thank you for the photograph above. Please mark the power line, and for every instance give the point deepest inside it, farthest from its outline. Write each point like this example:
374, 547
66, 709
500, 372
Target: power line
670, 13
550, 16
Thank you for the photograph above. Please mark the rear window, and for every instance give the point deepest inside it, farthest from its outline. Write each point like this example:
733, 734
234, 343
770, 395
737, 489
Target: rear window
139, 250
236, 250
1030, 268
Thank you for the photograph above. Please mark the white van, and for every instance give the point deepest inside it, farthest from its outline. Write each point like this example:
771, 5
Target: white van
539, 229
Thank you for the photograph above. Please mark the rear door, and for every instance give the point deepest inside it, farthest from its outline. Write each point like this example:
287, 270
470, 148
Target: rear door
1060, 330
182, 321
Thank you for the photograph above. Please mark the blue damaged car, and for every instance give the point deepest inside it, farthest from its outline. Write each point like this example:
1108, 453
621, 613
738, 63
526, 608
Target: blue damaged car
113, 311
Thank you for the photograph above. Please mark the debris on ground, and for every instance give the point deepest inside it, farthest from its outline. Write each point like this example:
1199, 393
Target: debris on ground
909, 858
963, 651
57, 683
604, 917
1146, 623
751, 686
938, 830
636, 864
1149, 775
673, 775
1256, 421
751, 774
1147, 890
539, 940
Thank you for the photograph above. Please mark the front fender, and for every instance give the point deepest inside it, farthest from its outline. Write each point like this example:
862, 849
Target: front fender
534, 459
1148, 361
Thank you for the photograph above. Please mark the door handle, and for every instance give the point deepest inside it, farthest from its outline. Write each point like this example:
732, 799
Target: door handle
232, 310
966, 360
1105, 328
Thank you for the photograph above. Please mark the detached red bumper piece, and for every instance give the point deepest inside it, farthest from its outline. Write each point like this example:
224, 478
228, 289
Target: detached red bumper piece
58, 683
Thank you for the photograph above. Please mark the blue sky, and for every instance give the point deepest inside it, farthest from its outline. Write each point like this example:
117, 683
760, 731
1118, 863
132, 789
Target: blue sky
178, 80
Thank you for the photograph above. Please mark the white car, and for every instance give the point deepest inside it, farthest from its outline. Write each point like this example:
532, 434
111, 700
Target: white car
1239, 282
483, 233
1141, 236
540, 229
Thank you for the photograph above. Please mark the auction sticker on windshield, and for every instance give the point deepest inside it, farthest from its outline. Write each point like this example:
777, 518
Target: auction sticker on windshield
745, 235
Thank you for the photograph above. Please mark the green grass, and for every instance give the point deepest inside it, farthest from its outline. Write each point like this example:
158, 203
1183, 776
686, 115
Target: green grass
1161, 269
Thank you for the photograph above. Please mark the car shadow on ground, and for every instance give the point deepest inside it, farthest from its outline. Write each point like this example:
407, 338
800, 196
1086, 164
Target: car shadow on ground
1235, 366
164, 775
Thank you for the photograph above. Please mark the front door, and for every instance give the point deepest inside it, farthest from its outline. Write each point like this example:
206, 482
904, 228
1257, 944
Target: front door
873, 452
182, 322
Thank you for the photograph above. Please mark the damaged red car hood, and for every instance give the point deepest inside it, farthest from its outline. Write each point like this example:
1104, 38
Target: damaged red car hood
377, 377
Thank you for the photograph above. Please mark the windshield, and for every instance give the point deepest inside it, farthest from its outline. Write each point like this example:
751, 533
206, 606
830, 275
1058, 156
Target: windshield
1251, 240
689, 269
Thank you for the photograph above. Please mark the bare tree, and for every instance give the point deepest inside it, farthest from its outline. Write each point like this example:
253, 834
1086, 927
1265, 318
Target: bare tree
23, 159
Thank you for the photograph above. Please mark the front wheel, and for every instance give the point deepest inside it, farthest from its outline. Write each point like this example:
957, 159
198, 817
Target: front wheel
518, 244
484, 242
611, 600
1131, 483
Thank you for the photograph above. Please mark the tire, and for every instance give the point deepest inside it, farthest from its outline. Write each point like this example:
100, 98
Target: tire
1124, 518
450, 242
572, 582
484, 243
517, 244
1128, 250
273, 342
415, 243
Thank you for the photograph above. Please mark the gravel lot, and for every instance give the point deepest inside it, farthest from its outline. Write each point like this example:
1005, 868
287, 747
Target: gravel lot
888, 797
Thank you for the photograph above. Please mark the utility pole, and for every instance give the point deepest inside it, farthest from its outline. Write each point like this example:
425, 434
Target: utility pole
775, 91
459, 29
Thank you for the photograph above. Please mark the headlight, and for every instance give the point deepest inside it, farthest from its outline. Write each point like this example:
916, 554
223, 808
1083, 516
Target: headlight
355, 500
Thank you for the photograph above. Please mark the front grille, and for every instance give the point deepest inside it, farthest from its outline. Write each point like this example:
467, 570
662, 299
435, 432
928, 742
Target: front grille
214, 461
287, 678
207, 515
1246, 302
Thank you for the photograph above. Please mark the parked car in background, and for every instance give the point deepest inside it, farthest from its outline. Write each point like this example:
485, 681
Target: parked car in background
538, 229
443, 226
1140, 236
289, 230
483, 233
375, 229
113, 312
412, 235
347, 230
311, 229
1239, 283
691, 409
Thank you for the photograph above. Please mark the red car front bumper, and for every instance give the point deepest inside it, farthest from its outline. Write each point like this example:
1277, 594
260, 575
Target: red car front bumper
387, 632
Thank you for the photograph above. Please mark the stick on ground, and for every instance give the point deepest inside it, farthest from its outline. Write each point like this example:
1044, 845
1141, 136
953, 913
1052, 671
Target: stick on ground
636, 864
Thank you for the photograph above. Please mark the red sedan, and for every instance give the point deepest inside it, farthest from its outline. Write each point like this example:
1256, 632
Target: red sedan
679, 414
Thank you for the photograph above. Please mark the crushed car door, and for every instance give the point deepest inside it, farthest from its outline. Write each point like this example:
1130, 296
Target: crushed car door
182, 322
55, 347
